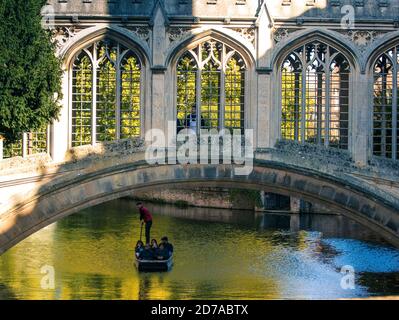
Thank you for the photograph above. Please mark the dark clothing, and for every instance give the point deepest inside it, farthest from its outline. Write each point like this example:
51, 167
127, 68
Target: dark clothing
163, 254
147, 254
145, 214
147, 231
169, 247
139, 251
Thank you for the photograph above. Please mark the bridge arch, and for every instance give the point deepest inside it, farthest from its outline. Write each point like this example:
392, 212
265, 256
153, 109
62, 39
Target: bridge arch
56, 200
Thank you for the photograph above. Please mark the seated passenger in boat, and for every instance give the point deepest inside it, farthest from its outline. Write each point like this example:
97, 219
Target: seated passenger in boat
162, 253
139, 248
147, 253
168, 246
154, 247
154, 244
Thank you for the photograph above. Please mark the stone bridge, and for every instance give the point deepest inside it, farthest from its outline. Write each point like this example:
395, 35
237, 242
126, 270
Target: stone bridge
36, 192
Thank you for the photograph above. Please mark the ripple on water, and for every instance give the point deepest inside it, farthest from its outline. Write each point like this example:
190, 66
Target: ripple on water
363, 256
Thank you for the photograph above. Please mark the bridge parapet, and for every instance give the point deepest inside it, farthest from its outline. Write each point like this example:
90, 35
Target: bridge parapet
330, 159
380, 176
310, 156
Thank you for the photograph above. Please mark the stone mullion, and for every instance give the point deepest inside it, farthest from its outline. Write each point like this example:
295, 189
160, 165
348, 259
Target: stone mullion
303, 106
395, 105
118, 94
296, 106
222, 88
383, 113
94, 97
319, 77
327, 98
198, 81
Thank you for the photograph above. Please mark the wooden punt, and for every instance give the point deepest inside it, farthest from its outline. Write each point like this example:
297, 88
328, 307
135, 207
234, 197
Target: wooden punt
154, 265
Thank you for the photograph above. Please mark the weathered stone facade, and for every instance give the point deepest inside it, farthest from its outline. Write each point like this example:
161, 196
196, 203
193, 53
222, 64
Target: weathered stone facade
262, 32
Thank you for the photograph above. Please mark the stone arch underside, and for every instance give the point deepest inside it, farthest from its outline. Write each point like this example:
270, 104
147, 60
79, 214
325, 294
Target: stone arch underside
55, 201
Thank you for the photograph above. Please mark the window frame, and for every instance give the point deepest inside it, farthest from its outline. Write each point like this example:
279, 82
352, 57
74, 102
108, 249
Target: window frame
394, 47
327, 93
222, 94
88, 47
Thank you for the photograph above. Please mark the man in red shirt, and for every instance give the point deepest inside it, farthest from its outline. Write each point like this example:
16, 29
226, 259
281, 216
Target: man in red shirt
146, 216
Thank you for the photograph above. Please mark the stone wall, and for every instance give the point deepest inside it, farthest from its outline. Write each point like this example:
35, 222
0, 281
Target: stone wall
330, 159
80, 156
222, 199
280, 9
29, 163
262, 32
198, 197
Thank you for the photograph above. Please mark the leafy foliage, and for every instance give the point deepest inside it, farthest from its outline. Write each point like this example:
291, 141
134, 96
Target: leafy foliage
30, 73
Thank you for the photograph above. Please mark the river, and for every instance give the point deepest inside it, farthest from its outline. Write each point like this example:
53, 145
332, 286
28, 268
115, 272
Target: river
219, 254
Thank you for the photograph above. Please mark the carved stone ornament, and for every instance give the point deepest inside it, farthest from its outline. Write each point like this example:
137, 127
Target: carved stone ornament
247, 33
362, 38
280, 35
61, 34
142, 32
177, 33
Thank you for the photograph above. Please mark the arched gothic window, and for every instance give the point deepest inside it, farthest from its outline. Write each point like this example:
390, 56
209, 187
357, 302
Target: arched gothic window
211, 88
106, 93
386, 102
315, 96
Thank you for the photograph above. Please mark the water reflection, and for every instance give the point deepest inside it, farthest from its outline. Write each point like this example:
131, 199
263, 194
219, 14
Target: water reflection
219, 254
336, 226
